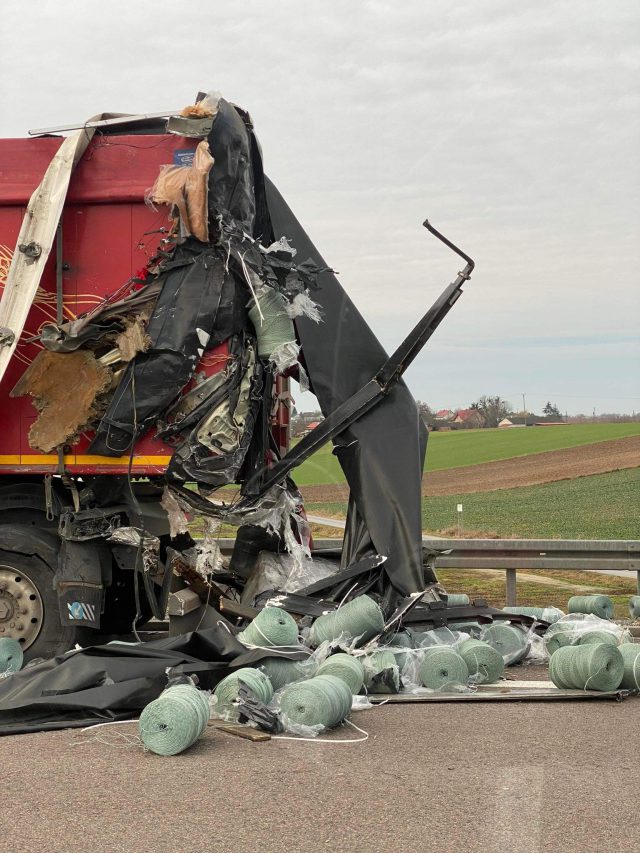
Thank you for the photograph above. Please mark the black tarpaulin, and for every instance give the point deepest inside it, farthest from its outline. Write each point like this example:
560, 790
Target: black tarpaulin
382, 454
117, 680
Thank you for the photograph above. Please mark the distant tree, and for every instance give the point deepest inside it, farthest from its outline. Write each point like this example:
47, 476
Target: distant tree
492, 409
552, 411
426, 412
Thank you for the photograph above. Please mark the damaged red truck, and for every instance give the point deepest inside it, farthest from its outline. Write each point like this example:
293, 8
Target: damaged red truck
125, 386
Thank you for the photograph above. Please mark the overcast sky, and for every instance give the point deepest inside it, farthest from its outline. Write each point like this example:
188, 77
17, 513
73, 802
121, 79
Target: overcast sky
514, 128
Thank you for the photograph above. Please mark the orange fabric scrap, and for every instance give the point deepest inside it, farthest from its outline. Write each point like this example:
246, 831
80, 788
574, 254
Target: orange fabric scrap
186, 189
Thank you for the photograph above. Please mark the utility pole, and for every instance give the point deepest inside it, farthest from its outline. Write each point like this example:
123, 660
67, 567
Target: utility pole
524, 408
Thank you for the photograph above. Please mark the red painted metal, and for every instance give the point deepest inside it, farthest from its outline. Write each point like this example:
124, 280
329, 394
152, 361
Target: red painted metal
108, 235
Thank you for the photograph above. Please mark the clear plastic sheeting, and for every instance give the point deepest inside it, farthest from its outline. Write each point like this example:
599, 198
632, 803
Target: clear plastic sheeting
576, 628
286, 573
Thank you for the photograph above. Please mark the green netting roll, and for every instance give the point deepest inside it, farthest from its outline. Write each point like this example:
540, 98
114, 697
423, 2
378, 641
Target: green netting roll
324, 700
485, 664
631, 656
11, 655
271, 627
441, 667
634, 606
346, 667
597, 637
474, 629
401, 640
456, 599
381, 672
274, 328
281, 671
226, 691
599, 605
592, 667
175, 720
511, 642
553, 642
360, 618
434, 637
549, 614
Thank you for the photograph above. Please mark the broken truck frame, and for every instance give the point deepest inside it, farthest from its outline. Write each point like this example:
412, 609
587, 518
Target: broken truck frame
82, 526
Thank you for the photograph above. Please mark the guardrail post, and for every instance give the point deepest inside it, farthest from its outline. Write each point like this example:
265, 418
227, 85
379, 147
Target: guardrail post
511, 587
638, 582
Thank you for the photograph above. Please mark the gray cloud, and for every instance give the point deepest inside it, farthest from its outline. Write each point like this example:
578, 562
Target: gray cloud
515, 129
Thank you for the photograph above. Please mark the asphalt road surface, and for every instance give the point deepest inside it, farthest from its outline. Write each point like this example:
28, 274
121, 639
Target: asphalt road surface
553, 776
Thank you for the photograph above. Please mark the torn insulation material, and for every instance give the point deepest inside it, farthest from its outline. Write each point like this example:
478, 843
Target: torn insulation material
66, 390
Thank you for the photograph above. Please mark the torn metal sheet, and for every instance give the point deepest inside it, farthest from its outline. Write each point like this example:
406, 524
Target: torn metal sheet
36, 239
66, 389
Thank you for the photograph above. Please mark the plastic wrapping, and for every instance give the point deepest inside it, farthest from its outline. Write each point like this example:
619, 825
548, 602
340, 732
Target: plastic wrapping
286, 573
572, 629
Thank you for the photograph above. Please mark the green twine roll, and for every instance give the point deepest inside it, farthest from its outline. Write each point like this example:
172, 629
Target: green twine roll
381, 672
599, 605
321, 701
485, 664
434, 637
175, 720
281, 671
401, 640
457, 599
274, 328
508, 641
226, 691
474, 629
634, 606
553, 642
631, 657
271, 627
442, 667
548, 614
360, 619
592, 637
11, 655
593, 667
346, 667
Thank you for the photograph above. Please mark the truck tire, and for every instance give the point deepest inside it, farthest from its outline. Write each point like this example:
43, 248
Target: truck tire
28, 602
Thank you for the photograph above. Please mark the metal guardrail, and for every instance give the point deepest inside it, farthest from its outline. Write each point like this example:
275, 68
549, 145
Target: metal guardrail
509, 555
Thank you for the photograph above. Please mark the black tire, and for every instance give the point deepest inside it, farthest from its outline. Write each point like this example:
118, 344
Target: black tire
30, 555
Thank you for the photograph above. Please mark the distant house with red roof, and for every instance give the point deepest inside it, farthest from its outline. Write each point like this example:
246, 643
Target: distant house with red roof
469, 418
444, 415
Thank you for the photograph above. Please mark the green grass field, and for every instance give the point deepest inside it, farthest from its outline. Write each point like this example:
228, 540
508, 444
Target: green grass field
470, 447
603, 506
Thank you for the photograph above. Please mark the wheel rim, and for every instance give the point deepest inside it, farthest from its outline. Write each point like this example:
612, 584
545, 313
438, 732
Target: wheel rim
21, 609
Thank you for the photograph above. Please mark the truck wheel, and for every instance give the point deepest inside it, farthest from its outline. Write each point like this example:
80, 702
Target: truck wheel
28, 603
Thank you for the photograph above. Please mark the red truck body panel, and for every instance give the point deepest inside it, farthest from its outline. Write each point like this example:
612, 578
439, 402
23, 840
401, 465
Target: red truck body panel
108, 234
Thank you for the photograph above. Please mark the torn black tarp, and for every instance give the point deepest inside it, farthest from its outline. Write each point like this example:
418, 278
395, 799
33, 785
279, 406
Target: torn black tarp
382, 454
180, 330
118, 680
